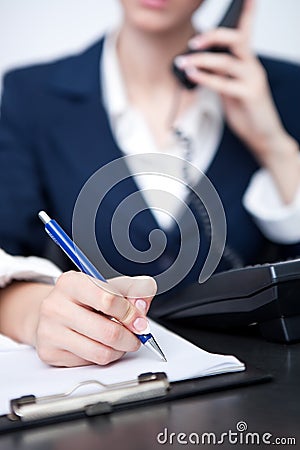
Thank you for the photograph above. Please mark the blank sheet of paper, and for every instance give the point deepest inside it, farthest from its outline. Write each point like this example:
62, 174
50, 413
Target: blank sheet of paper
23, 373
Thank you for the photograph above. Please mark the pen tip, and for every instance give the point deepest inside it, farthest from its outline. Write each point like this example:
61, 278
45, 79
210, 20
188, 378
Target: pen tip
153, 345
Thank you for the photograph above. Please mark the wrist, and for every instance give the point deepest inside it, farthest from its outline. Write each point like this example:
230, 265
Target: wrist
280, 148
19, 310
282, 161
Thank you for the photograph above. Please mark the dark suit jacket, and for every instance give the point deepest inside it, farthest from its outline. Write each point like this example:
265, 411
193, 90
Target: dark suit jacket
54, 134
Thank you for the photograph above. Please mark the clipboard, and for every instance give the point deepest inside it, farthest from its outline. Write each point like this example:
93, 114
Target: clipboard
149, 388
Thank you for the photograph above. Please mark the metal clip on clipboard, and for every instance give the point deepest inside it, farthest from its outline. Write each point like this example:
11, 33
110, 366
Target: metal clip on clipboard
147, 386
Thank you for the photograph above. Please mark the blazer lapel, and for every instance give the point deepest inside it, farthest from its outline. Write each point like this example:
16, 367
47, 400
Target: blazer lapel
77, 82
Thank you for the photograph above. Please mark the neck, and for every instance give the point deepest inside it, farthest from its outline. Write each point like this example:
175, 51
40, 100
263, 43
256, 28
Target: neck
146, 58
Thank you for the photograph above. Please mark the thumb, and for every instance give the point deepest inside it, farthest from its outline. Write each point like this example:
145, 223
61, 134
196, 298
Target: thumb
139, 290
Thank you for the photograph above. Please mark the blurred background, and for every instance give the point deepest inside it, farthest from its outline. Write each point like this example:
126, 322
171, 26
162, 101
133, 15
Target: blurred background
39, 30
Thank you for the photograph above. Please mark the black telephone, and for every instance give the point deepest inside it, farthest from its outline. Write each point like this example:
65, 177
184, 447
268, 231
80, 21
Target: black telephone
229, 20
267, 295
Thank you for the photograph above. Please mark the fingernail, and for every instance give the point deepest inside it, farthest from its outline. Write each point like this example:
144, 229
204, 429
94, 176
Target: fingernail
141, 324
180, 61
195, 43
141, 305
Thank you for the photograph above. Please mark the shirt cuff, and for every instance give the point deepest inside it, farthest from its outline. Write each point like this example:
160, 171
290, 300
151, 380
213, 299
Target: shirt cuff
277, 221
29, 268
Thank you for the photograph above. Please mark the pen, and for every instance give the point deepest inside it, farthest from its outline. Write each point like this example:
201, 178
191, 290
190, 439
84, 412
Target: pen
60, 237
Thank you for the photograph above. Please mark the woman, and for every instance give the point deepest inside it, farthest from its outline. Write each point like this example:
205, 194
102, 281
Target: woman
57, 130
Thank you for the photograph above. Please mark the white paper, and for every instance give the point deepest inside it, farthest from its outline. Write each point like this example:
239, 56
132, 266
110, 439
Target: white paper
8, 345
23, 373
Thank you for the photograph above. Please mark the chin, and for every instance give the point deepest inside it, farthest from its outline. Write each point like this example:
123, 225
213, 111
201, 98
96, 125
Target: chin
159, 16
154, 23
154, 26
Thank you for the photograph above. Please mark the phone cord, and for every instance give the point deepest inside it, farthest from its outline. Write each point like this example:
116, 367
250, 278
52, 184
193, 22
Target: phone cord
229, 254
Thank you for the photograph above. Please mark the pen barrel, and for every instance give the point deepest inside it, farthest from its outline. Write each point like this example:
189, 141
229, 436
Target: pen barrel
60, 237
72, 251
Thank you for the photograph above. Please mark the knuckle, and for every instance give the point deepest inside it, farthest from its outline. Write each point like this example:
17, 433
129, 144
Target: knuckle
105, 357
113, 333
43, 340
45, 354
107, 301
53, 357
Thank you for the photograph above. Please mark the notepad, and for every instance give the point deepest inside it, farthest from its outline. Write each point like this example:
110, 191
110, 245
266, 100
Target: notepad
23, 373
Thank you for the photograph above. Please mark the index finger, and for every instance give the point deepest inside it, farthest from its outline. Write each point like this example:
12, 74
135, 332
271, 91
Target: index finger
140, 286
247, 17
82, 289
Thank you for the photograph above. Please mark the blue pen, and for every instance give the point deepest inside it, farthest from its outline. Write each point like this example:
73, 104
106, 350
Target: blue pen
60, 237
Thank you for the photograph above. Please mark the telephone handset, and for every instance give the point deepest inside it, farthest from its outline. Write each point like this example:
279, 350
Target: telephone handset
229, 20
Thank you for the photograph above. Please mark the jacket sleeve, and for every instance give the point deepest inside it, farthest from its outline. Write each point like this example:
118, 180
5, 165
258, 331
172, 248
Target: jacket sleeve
284, 83
20, 186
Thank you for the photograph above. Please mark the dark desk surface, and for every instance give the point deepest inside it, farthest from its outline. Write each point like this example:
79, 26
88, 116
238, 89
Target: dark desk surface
272, 408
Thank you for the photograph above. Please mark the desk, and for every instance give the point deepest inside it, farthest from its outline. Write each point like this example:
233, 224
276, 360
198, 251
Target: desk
273, 407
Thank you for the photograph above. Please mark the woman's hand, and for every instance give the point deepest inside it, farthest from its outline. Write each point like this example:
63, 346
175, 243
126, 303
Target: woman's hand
242, 83
238, 77
75, 328
70, 323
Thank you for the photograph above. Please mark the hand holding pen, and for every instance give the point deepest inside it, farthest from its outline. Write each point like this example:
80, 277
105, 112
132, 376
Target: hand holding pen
71, 332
